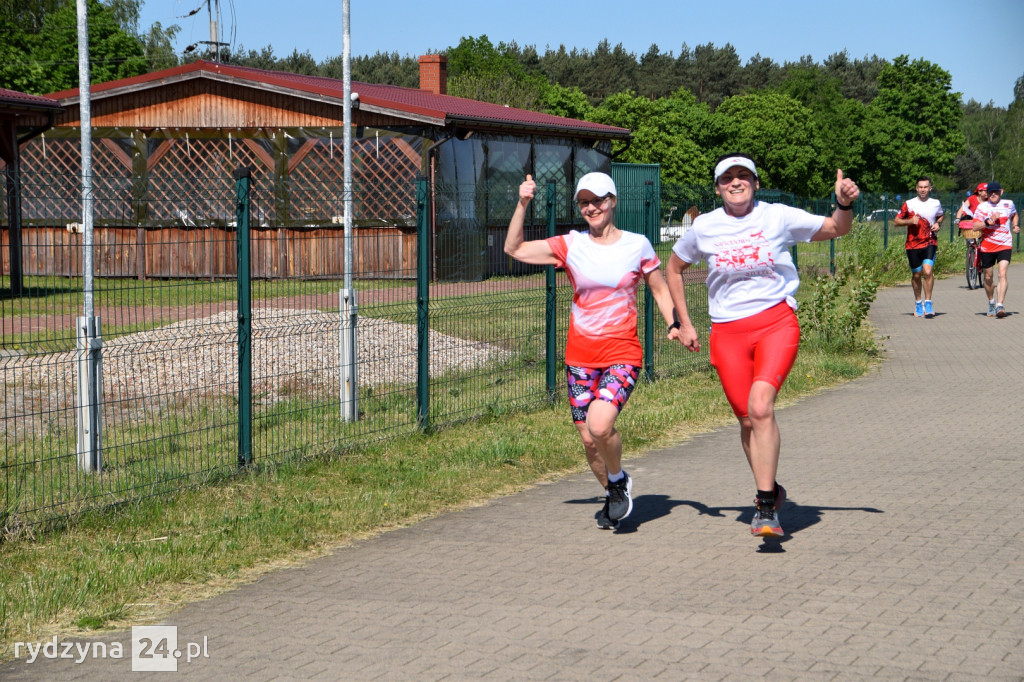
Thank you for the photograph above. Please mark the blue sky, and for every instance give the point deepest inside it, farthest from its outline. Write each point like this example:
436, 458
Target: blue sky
944, 32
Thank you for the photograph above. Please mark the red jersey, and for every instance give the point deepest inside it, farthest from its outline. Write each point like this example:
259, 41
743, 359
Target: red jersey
927, 212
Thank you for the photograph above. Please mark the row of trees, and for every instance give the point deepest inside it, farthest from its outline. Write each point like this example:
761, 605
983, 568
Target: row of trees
884, 123
39, 43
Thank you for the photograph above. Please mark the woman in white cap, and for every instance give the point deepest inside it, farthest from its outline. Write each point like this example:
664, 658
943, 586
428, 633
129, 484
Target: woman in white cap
602, 353
754, 331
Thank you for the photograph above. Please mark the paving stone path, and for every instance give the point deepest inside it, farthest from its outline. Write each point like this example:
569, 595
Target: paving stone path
904, 558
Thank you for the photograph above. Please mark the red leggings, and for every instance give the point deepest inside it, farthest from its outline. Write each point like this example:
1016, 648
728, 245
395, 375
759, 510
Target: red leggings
761, 347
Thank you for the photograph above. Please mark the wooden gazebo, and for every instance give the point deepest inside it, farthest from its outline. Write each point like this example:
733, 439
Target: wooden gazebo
160, 139
31, 115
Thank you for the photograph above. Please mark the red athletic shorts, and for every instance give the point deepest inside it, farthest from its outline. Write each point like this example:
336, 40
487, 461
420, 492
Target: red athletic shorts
761, 347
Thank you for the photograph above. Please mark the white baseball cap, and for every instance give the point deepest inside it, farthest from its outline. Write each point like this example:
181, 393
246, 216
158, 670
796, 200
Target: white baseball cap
727, 163
601, 184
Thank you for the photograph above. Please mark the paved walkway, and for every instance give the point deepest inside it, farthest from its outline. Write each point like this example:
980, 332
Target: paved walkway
904, 559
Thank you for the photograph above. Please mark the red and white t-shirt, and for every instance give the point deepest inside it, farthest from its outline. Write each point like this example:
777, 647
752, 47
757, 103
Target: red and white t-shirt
605, 279
750, 268
998, 237
968, 207
920, 235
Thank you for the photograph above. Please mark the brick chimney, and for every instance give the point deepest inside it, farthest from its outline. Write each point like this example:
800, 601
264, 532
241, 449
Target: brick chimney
434, 73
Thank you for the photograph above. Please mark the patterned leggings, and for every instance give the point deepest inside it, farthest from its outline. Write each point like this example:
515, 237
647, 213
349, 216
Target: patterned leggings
611, 384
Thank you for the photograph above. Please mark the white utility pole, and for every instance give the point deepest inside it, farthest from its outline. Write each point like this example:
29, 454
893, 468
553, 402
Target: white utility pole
348, 308
89, 341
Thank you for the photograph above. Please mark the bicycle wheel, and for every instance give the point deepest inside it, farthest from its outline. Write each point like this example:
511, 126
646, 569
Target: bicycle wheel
979, 274
972, 266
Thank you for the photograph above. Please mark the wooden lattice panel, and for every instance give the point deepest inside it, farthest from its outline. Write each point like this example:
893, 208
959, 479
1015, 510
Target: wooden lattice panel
189, 182
383, 177
51, 179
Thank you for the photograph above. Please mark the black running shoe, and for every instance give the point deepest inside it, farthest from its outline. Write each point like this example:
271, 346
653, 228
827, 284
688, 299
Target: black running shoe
620, 502
780, 496
604, 521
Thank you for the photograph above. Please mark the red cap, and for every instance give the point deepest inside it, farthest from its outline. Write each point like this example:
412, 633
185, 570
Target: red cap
982, 187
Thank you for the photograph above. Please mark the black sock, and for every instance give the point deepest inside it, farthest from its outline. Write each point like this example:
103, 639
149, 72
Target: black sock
766, 497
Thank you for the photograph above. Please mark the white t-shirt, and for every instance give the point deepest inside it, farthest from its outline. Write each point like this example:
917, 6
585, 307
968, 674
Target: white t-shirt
998, 237
750, 268
605, 278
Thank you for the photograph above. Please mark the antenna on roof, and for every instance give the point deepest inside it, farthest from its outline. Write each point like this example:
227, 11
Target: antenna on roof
214, 41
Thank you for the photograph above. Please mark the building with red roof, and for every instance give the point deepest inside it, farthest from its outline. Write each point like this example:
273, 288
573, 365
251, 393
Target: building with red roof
158, 132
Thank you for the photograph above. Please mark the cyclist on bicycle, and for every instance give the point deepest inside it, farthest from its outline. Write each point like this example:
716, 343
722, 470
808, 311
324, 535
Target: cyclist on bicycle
965, 216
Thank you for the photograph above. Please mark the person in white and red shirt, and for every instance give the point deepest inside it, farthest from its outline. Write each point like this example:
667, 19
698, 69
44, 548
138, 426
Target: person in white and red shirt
997, 217
922, 216
602, 354
965, 216
754, 330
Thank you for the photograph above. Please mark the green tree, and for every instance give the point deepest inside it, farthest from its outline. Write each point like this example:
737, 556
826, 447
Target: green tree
837, 121
982, 126
778, 132
565, 68
568, 102
488, 73
384, 68
912, 126
1009, 166
27, 15
610, 70
158, 46
113, 53
665, 131
300, 63
17, 72
262, 59
39, 49
859, 77
711, 73
761, 73
655, 77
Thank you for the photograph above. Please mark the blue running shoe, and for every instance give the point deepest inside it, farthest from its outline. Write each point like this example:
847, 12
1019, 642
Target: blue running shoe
919, 309
1000, 310
991, 309
928, 312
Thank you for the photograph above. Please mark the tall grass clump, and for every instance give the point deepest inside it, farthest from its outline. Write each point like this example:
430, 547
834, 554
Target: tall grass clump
837, 308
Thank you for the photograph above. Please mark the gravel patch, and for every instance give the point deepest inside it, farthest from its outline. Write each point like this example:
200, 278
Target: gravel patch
293, 350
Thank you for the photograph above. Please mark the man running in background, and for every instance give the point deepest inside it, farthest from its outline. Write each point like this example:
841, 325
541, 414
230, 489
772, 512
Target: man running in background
922, 216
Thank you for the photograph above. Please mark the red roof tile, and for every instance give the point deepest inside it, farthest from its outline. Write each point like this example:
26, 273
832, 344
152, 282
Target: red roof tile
36, 102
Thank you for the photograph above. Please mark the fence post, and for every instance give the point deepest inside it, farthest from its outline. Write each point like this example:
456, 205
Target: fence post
243, 176
550, 303
952, 214
832, 242
650, 225
422, 304
12, 178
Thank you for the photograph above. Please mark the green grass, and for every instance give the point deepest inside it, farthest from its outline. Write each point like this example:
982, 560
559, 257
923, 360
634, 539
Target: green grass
135, 562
